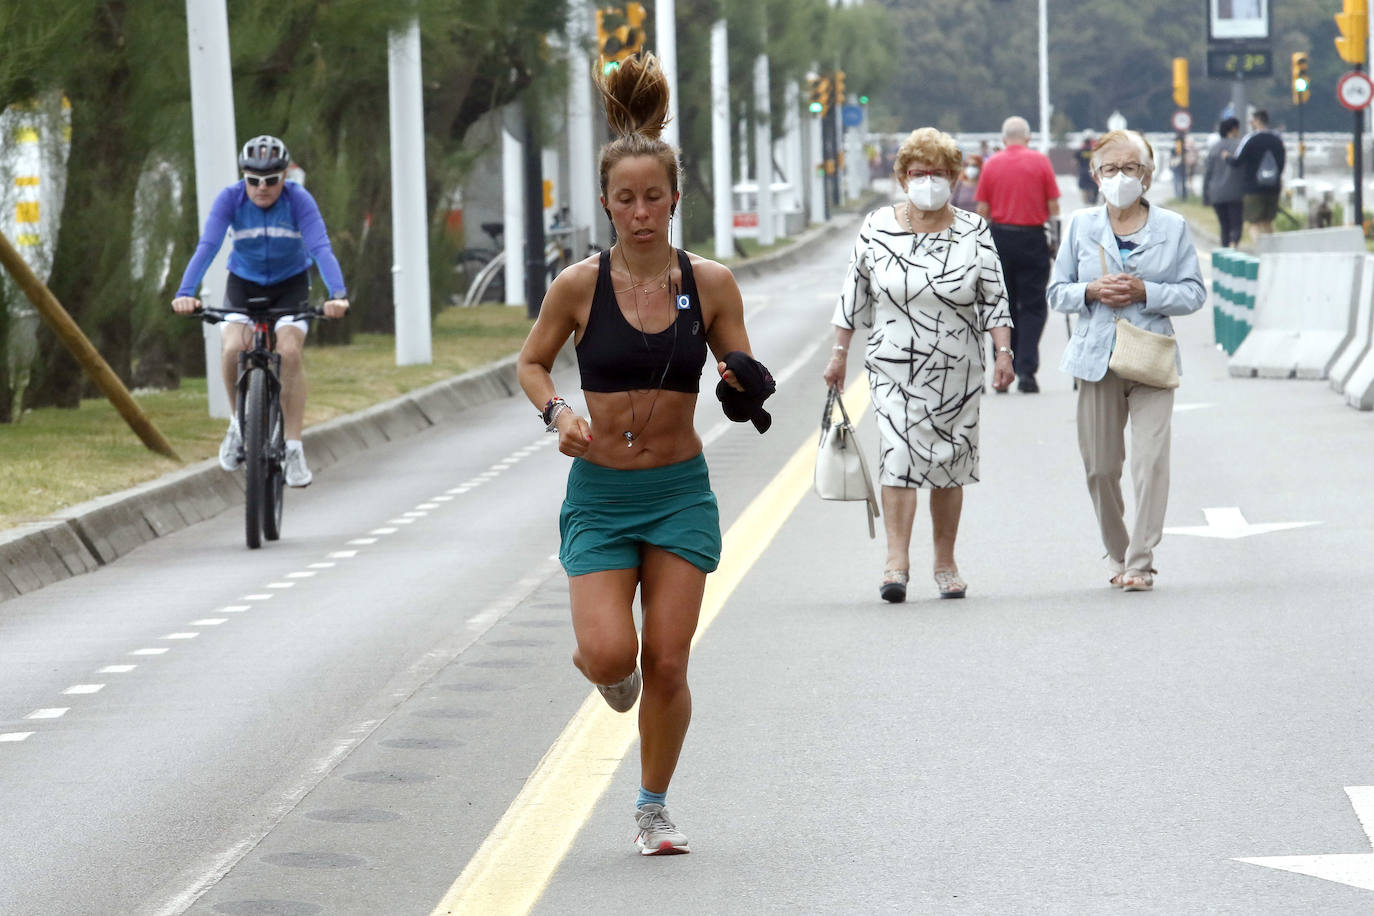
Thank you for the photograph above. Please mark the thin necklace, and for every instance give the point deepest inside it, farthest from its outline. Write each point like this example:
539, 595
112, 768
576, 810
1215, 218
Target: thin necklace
912, 229
630, 435
634, 283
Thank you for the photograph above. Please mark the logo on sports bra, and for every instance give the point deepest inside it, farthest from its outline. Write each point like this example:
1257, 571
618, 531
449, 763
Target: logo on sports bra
683, 302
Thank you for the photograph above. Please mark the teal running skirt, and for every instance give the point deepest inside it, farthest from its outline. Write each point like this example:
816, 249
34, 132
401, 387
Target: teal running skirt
610, 514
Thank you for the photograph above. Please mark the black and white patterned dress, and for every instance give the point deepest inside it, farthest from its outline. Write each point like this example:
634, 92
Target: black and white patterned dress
926, 301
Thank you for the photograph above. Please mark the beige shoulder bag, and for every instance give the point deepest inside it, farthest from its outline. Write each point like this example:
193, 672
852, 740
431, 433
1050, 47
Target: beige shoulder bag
1140, 355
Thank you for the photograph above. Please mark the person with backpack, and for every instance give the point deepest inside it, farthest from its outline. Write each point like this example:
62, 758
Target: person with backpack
1260, 156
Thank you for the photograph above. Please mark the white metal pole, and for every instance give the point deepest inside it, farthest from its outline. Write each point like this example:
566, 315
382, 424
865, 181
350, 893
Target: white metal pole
409, 225
763, 151
583, 183
1044, 80
212, 128
816, 169
792, 148
665, 25
513, 203
723, 203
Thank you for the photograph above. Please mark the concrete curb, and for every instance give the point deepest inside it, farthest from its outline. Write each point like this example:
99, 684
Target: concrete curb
92, 534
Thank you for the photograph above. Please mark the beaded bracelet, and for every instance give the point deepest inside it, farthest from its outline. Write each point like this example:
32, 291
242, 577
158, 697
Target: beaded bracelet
552, 409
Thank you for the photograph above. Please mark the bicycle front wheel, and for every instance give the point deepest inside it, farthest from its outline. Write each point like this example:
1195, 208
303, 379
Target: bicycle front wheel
276, 476
255, 456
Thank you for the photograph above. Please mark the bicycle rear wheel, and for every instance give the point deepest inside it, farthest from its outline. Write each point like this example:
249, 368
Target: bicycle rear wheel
276, 477
255, 460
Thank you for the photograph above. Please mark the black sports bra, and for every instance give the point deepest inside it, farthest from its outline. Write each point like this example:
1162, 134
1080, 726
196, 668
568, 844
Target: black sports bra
615, 356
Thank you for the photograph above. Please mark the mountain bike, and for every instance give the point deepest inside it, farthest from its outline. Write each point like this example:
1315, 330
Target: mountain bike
258, 408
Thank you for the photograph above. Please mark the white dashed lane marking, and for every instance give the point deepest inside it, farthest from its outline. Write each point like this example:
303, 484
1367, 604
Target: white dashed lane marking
421, 511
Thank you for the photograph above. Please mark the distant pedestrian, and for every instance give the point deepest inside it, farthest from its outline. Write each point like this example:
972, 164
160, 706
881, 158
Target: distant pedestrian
926, 284
1260, 157
1223, 188
966, 189
1084, 156
1178, 167
1147, 272
1017, 194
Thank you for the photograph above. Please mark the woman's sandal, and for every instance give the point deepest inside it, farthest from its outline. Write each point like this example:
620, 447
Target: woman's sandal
951, 586
1138, 581
894, 585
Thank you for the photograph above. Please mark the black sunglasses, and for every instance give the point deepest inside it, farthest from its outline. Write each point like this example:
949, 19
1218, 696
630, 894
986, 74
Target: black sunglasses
270, 180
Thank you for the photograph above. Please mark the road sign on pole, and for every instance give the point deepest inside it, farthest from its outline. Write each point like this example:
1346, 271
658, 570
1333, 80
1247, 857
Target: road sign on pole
1182, 121
1354, 90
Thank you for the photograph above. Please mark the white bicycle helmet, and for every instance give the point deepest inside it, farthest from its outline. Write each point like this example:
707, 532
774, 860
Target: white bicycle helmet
264, 154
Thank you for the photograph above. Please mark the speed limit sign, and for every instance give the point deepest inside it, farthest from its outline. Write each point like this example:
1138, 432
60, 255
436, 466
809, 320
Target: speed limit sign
1354, 90
1182, 121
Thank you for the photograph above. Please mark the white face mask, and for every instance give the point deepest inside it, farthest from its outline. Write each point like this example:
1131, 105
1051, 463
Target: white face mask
928, 193
1121, 190
971, 172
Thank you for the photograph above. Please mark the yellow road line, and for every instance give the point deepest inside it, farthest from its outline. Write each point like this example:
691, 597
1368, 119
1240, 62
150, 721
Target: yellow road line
509, 872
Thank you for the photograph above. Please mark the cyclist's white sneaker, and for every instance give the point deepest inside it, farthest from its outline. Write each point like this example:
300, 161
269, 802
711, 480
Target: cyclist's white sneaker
658, 836
297, 471
231, 449
621, 695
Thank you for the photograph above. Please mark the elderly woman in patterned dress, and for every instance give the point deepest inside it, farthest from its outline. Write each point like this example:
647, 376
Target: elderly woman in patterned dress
926, 284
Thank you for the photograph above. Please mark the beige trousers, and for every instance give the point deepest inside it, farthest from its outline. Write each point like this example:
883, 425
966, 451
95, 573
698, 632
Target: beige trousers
1103, 409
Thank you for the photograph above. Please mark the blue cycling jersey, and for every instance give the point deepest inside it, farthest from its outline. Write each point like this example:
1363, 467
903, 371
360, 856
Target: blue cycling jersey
270, 245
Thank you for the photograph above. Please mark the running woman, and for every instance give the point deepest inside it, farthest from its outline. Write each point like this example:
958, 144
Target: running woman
639, 512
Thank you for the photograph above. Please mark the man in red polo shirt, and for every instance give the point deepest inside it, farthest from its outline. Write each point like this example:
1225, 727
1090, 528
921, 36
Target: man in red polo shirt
1017, 194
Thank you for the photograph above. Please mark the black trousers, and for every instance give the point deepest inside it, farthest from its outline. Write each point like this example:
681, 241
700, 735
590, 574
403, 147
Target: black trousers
1229, 219
1025, 254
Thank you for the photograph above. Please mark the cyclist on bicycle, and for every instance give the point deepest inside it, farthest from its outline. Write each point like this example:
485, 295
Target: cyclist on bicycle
278, 234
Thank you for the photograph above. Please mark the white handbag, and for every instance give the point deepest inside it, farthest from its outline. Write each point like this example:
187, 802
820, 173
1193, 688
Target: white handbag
841, 472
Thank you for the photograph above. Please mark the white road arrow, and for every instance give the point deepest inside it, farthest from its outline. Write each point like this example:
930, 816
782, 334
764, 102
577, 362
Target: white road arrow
1354, 869
1228, 523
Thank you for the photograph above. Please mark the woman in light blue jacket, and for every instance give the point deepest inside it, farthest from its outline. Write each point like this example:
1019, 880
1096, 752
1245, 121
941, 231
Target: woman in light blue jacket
1133, 262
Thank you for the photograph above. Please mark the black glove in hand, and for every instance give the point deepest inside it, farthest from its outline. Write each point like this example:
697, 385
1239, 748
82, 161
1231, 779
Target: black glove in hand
758, 387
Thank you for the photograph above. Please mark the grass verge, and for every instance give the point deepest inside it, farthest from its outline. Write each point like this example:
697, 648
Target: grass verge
55, 458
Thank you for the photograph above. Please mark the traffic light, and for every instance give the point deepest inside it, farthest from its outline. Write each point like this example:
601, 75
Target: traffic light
1181, 80
820, 95
1353, 22
1301, 85
839, 87
619, 33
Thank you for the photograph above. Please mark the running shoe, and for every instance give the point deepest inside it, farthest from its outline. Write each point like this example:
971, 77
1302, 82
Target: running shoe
297, 471
231, 449
621, 696
658, 836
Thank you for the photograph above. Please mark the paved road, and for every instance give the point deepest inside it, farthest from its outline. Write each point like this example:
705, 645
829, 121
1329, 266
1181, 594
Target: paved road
348, 744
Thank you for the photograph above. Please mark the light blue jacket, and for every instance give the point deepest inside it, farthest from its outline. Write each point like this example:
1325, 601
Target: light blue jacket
1166, 260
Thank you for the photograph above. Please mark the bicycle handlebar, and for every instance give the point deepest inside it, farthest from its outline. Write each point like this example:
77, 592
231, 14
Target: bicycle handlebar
214, 316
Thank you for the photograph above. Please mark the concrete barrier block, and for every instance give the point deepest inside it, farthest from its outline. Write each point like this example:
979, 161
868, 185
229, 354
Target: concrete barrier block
397, 419
39, 554
111, 527
1358, 345
1337, 239
1304, 314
